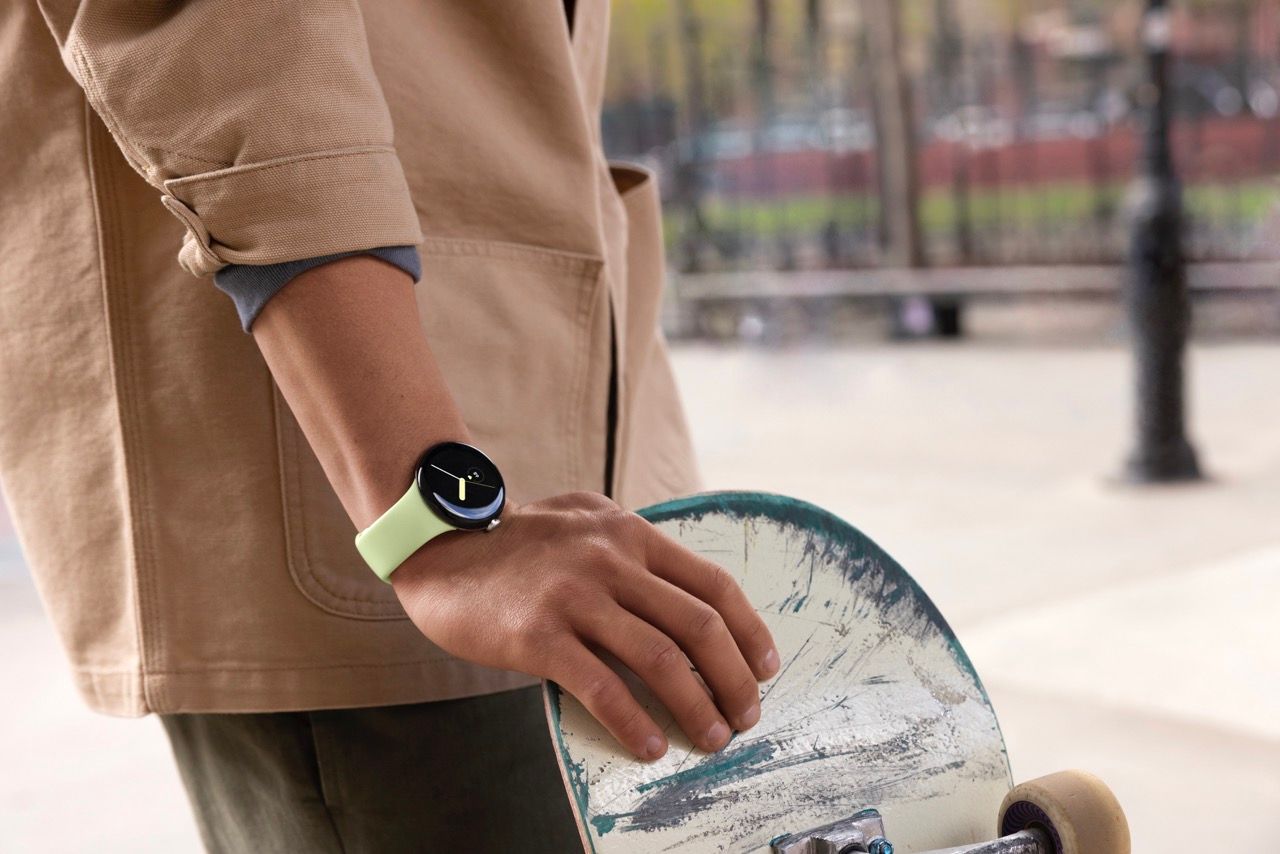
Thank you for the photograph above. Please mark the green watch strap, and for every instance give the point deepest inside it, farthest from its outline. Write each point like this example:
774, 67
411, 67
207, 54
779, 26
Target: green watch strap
398, 533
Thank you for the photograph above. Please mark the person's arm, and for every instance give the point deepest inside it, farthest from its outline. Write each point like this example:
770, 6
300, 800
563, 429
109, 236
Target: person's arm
206, 101
559, 578
345, 346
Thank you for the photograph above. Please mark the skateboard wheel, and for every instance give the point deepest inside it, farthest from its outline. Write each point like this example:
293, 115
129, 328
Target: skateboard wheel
1076, 809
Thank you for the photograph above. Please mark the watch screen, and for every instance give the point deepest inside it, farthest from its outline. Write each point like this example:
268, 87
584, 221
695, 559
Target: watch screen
461, 484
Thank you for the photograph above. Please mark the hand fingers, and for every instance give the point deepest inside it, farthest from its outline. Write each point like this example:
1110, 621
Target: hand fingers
660, 663
701, 632
711, 583
603, 693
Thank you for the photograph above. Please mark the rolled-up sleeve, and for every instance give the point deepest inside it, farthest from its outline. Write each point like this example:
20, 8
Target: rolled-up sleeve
261, 122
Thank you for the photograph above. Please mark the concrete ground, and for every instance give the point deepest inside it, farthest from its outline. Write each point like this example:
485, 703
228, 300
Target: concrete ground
1128, 631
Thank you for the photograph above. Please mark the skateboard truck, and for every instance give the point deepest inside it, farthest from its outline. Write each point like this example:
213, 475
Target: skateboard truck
863, 833
1069, 812
857, 833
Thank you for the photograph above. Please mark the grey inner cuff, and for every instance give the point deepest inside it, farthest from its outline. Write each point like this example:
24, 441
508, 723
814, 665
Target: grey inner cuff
251, 286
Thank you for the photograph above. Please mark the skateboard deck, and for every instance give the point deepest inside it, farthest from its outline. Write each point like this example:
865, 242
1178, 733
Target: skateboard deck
875, 704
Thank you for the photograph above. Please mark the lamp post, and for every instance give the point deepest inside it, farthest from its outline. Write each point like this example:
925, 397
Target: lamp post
1158, 303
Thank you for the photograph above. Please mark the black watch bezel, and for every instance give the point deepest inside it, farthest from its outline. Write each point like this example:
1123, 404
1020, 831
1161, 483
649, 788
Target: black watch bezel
429, 497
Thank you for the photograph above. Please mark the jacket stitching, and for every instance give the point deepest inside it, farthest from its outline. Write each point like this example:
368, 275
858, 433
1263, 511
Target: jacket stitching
94, 100
587, 300
381, 665
98, 190
123, 367
236, 171
106, 671
381, 605
100, 105
136, 148
304, 578
143, 558
574, 262
221, 164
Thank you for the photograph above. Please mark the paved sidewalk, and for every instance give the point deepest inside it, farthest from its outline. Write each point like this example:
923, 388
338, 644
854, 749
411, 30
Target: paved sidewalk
1127, 631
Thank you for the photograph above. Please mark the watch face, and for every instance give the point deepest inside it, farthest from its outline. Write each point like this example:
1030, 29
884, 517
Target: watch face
460, 484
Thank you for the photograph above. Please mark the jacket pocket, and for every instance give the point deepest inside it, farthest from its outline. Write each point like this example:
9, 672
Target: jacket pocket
521, 336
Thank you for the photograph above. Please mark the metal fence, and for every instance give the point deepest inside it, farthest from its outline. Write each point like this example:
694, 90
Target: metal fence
766, 130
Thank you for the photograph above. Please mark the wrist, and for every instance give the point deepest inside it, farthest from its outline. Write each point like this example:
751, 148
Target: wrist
441, 552
378, 481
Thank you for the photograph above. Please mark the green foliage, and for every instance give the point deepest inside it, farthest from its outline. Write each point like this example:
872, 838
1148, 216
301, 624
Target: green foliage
646, 32
1041, 205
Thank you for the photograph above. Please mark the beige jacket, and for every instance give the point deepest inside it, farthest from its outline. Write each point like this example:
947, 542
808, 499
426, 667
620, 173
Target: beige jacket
185, 541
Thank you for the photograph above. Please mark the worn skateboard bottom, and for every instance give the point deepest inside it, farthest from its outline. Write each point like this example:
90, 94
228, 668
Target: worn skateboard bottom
875, 705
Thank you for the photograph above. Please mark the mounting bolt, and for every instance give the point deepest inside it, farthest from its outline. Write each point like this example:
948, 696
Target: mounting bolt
879, 845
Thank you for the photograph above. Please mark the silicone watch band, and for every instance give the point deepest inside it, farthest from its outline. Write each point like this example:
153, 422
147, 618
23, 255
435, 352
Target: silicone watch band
398, 533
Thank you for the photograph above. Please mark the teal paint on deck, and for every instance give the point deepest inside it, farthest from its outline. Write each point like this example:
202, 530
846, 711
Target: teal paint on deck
703, 776
715, 770
575, 770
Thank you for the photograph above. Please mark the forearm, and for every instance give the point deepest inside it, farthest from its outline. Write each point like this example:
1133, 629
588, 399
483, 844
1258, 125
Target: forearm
562, 580
345, 346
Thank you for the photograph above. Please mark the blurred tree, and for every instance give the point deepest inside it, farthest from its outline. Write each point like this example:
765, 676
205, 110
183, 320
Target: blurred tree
895, 135
815, 50
950, 96
1242, 66
689, 166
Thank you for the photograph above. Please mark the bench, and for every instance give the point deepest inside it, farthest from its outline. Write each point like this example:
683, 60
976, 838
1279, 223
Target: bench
707, 302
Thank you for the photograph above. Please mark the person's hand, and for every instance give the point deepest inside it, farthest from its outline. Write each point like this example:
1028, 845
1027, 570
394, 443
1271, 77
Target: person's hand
564, 578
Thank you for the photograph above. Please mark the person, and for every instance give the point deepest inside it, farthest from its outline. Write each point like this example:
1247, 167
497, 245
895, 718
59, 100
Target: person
471, 305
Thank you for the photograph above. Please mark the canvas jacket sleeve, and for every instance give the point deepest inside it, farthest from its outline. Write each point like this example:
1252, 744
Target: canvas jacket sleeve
260, 122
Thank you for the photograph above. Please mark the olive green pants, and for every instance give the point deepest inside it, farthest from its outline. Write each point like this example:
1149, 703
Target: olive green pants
476, 774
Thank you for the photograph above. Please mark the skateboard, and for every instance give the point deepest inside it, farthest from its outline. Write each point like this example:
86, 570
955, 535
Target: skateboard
875, 735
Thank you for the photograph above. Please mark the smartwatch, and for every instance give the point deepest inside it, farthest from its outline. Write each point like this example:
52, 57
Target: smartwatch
455, 488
